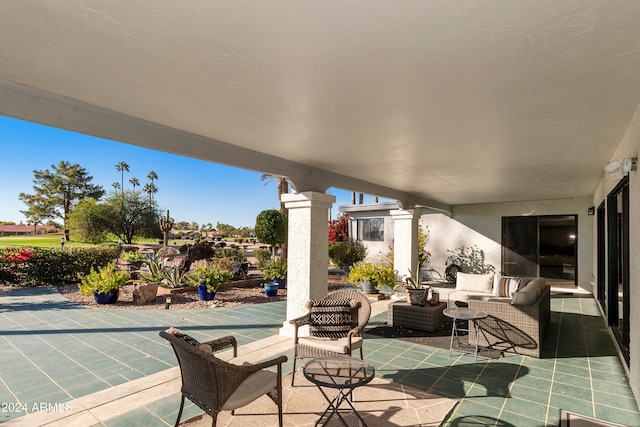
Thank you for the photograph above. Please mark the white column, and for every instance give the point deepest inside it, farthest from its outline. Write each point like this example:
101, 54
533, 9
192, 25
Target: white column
405, 241
308, 248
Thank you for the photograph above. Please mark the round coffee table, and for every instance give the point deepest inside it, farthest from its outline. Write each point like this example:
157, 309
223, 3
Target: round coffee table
343, 373
462, 313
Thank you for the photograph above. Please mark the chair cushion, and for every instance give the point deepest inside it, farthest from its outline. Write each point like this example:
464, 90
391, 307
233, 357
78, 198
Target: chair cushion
253, 387
474, 282
336, 345
506, 286
332, 318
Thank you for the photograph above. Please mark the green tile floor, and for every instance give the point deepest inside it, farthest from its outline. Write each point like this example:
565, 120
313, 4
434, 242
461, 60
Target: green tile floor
53, 351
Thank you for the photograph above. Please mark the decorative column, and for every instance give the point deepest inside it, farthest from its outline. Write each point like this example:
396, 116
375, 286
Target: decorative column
405, 241
308, 254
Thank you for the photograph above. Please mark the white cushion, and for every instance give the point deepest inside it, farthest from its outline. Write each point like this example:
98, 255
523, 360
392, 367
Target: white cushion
474, 282
253, 387
337, 345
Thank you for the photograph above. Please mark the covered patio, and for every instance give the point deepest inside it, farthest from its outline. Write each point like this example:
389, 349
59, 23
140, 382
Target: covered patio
475, 110
109, 367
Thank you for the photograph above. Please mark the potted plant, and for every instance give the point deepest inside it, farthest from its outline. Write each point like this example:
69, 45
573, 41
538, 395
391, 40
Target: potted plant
147, 281
104, 284
208, 278
370, 276
344, 254
276, 271
271, 289
412, 286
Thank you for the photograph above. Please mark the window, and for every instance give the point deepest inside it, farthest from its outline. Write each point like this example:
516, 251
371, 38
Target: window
371, 229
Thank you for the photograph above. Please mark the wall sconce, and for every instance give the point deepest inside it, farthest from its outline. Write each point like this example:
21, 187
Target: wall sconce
618, 169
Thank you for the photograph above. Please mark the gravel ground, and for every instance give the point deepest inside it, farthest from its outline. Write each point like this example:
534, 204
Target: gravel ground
231, 297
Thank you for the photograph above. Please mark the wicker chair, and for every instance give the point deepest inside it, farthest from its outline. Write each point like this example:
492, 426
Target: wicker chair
216, 385
329, 340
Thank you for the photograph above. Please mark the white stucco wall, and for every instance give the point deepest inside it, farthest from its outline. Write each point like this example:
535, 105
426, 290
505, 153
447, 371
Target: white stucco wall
479, 227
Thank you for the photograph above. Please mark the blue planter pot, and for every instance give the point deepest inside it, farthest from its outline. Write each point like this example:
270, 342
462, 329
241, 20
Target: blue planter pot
204, 294
106, 297
271, 289
282, 283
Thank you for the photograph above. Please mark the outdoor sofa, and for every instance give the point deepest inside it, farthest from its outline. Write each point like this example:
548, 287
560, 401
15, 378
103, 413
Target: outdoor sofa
518, 310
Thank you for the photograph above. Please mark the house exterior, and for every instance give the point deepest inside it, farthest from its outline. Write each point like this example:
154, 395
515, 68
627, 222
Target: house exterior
25, 230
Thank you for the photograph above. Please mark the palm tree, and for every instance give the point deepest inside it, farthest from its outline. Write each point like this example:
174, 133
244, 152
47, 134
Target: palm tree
152, 176
122, 167
116, 186
134, 183
150, 189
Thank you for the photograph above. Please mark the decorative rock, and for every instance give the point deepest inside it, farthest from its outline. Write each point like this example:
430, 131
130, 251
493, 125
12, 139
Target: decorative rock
144, 294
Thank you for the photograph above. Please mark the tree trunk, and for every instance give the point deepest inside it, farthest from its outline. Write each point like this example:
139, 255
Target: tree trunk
283, 188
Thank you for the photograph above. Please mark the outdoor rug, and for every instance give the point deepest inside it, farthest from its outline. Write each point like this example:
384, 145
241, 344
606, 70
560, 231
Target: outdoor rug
380, 403
441, 338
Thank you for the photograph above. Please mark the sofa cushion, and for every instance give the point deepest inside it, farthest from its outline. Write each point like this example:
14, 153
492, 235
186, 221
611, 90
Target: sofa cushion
529, 293
506, 286
482, 283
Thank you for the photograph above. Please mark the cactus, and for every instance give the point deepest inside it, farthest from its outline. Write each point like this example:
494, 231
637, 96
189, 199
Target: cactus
166, 224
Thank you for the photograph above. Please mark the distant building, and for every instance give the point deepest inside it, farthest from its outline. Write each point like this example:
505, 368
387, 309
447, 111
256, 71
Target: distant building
25, 230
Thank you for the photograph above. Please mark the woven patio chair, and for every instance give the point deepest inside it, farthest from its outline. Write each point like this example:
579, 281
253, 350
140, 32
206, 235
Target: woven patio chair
336, 323
217, 385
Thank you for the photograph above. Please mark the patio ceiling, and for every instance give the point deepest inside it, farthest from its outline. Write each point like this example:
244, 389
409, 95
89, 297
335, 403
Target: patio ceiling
430, 102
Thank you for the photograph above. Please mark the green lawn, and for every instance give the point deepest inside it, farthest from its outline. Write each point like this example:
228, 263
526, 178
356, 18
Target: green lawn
44, 241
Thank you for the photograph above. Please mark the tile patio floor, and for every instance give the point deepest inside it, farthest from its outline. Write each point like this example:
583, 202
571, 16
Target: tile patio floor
59, 356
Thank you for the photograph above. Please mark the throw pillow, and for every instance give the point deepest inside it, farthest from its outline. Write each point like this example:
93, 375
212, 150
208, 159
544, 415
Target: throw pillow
332, 318
526, 296
474, 282
507, 286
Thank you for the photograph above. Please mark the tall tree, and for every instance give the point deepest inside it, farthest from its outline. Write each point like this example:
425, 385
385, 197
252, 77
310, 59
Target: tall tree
122, 167
150, 189
124, 214
134, 183
58, 191
283, 188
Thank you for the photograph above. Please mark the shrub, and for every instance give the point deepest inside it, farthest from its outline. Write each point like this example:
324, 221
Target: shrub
263, 255
347, 252
34, 267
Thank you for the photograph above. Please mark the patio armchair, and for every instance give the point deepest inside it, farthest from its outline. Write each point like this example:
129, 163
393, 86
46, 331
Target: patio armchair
217, 385
336, 323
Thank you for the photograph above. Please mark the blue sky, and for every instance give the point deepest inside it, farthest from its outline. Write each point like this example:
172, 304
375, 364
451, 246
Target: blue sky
193, 190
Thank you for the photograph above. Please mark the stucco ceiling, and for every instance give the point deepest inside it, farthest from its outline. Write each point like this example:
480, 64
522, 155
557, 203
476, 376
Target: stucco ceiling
454, 101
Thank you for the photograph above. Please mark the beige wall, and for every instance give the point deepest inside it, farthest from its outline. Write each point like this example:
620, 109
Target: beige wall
479, 227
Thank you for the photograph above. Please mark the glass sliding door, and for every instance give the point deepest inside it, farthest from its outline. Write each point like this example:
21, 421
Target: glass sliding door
544, 246
618, 308
520, 246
